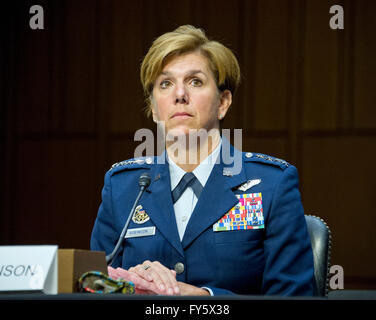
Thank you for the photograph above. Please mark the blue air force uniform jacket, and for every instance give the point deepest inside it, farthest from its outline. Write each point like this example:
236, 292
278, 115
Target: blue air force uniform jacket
269, 252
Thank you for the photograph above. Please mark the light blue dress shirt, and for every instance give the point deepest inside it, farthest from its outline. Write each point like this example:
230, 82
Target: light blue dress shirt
185, 205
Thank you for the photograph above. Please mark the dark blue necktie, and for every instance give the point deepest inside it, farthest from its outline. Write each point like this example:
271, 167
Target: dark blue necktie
188, 180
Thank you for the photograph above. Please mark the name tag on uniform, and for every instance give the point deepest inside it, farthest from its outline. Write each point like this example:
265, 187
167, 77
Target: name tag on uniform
140, 232
247, 214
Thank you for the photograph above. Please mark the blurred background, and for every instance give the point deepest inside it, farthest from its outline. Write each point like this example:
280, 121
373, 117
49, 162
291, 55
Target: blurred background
71, 101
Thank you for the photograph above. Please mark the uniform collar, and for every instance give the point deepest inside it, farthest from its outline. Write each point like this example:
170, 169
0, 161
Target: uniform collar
158, 203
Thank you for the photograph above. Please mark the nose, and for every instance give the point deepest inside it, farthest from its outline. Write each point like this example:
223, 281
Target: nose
181, 94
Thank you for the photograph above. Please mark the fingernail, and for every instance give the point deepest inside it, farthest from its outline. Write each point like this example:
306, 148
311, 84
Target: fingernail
176, 289
169, 291
161, 286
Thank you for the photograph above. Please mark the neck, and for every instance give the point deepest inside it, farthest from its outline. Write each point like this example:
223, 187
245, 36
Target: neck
189, 151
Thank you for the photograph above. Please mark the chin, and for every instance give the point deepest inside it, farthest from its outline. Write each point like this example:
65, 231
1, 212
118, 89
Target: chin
178, 132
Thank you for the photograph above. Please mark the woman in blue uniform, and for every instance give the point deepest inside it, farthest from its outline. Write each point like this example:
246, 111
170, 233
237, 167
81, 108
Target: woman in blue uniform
214, 220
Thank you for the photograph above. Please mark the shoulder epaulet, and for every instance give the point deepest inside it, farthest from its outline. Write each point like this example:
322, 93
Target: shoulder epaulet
266, 159
132, 163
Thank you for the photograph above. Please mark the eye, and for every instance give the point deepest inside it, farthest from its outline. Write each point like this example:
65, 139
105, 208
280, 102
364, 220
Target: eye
164, 84
196, 82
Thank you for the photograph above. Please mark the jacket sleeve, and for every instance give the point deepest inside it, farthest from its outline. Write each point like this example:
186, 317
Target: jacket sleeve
214, 291
104, 235
288, 254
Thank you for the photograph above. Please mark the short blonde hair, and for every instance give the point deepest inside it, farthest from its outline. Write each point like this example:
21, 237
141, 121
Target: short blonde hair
185, 39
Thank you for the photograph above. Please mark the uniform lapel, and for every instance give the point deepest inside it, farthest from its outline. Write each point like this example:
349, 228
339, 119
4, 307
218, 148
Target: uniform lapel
216, 199
158, 204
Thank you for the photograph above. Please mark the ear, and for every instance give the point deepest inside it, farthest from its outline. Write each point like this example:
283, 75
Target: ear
152, 106
225, 103
155, 118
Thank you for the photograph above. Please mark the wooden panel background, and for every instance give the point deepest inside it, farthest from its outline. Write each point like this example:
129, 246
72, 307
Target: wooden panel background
71, 101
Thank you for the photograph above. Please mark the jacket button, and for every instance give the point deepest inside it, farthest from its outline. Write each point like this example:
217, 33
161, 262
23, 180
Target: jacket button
179, 268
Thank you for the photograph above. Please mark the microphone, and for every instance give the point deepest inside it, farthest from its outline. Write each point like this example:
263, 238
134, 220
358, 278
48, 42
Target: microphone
143, 182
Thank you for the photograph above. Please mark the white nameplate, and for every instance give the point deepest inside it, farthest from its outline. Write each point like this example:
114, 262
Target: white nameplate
28, 268
140, 232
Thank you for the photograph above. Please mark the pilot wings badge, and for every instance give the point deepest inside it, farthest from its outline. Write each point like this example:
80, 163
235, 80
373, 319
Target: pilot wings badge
249, 184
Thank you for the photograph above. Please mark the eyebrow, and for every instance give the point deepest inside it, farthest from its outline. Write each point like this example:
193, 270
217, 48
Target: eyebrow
190, 73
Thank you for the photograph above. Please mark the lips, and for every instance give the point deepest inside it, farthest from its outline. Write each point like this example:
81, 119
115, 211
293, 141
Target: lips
181, 115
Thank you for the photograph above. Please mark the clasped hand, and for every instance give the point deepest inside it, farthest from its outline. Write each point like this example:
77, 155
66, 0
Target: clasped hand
154, 278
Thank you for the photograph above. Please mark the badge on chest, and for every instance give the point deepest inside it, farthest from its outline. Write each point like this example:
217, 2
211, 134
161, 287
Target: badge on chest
247, 214
140, 216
